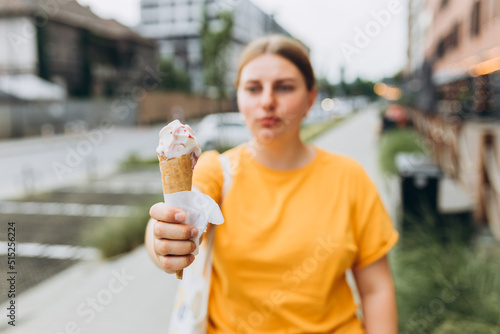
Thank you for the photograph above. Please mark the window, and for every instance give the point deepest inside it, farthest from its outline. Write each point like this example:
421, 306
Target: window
455, 36
475, 24
450, 41
440, 49
146, 5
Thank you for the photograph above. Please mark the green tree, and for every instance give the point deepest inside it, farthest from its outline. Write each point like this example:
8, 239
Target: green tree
362, 87
325, 87
357, 87
398, 77
176, 79
214, 43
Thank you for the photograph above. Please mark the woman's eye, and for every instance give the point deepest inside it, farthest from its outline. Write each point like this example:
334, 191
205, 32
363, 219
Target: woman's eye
252, 89
285, 88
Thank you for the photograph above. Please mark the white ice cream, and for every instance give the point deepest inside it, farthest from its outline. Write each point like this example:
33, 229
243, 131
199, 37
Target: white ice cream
177, 139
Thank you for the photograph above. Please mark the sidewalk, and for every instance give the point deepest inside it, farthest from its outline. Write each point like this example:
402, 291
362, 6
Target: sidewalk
129, 295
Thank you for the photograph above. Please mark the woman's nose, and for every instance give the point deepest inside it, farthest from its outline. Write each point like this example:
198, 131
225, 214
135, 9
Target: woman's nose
268, 99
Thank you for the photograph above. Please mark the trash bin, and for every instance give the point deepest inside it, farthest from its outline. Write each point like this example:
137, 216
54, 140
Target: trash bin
420, 177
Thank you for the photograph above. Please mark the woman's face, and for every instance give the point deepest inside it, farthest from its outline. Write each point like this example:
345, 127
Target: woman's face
273, 98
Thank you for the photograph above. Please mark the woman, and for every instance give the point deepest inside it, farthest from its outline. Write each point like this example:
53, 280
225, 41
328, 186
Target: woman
296, 216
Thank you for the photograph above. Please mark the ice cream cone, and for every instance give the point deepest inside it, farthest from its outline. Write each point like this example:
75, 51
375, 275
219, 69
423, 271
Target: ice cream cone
178, 152
176, 175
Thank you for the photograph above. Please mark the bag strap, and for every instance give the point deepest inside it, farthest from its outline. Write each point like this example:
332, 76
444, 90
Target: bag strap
227, 173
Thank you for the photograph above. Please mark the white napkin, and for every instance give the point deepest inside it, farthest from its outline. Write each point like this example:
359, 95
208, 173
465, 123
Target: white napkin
200, 209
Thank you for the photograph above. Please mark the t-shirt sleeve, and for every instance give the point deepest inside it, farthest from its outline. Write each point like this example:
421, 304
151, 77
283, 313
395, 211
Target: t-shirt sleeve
373, 227
207, 175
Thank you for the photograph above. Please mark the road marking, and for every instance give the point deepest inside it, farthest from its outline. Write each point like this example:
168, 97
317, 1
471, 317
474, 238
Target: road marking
118, 187
65, 209
59, 252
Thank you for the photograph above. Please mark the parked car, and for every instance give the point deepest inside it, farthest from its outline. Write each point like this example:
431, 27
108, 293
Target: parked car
222, 131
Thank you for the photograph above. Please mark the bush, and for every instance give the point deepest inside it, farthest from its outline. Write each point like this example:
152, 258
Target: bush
458, 324
397, 141
444, 285
117, 236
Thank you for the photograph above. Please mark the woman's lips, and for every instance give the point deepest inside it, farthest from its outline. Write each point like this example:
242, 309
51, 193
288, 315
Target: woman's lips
269, 121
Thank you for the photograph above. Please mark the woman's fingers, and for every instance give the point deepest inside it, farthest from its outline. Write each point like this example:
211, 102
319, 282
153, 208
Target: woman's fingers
174, 231
164, 247
168, 223
173, 263
163, 212
171, 243
171, 237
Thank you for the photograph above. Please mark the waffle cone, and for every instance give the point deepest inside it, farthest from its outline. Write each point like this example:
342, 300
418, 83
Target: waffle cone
176, 175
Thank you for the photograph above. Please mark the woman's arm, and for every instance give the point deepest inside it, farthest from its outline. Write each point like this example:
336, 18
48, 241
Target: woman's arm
378, 298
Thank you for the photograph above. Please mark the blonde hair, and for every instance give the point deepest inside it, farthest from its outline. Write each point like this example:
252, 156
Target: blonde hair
288, 48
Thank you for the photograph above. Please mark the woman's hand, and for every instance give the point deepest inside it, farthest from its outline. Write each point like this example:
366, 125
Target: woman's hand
167, 239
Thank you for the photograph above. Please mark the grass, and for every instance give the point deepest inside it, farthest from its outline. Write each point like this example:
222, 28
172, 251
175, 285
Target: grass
311, 131
445, 285
395, 141
117, 236
133, 160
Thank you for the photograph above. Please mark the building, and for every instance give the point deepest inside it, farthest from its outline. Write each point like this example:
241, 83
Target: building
418, 71
176, 24
461, 78
462, 53
67, 44
418, 23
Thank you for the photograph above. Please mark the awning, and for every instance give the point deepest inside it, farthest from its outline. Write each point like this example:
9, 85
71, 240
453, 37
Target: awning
449, 75
29, 87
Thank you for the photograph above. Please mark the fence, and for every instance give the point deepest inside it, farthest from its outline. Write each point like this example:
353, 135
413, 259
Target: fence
22, 119
468, 151
163, 107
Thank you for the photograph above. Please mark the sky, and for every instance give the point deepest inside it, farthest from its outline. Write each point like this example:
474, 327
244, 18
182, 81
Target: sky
366, 37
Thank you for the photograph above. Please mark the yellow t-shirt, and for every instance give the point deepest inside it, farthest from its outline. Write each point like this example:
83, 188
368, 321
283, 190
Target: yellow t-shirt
289, 236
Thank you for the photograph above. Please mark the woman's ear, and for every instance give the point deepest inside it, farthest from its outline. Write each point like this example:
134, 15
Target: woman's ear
312, 96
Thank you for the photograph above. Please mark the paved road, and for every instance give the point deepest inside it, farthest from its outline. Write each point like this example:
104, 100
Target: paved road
39, 164
129, 295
